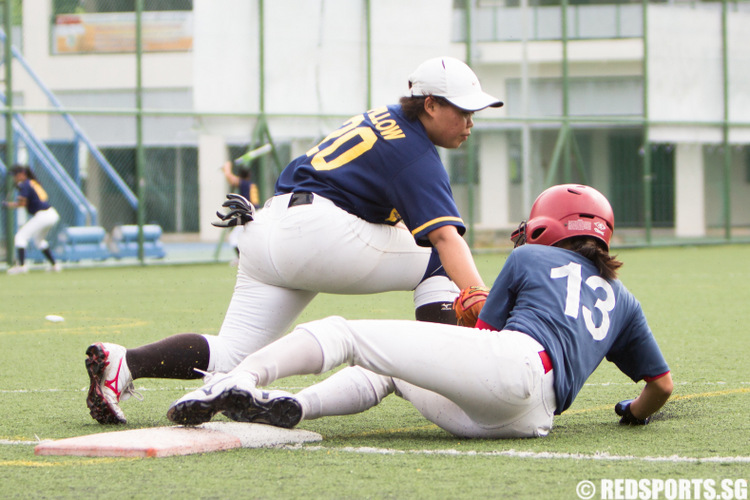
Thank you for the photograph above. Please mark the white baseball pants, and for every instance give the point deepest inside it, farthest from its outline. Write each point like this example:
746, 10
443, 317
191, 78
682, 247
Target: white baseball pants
472, 383
37, 228
290, 254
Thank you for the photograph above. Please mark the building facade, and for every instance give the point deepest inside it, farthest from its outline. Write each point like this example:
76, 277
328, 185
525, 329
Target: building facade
645, 101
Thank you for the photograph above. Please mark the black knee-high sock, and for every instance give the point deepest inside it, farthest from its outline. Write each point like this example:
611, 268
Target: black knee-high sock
172, 357
48, 253
21, 255
436, 312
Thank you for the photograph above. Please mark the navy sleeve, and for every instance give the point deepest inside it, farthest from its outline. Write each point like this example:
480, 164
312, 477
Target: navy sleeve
636, 352
423, 197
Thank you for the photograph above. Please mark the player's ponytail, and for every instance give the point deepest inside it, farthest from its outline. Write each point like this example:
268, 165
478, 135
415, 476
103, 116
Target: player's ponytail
594, 250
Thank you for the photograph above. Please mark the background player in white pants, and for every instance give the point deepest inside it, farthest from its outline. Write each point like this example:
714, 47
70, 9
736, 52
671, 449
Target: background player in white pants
554, 313
246, 188
369, 209
34, 198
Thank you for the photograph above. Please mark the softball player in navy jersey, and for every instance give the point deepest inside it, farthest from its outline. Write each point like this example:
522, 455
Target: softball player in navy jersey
369, 209
554, 313
248, 190
34, 198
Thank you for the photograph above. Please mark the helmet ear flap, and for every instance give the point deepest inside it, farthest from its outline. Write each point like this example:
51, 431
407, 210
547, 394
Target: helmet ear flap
536, 231
542, 230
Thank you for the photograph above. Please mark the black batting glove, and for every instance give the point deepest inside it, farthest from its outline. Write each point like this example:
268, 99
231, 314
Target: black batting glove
240, 211
623, 410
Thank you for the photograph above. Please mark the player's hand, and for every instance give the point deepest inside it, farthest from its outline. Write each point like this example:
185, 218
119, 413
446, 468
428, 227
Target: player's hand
240, 211
469, 304
623, 410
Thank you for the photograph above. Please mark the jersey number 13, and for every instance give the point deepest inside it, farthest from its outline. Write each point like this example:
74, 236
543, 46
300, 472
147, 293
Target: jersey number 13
572, 272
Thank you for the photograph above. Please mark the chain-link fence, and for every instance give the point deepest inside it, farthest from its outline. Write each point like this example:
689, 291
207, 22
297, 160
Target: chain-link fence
608, 105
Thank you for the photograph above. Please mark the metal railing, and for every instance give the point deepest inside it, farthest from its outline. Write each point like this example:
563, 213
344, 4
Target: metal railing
79, 134
86, 213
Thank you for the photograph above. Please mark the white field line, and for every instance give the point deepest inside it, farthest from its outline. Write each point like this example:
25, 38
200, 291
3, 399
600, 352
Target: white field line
11, 442
507, 453
289, 388
544, 455
536, 455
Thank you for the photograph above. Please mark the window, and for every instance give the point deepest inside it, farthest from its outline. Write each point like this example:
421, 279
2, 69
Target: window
98, 6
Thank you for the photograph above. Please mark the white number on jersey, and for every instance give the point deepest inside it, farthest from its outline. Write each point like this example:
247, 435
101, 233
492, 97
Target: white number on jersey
572, 272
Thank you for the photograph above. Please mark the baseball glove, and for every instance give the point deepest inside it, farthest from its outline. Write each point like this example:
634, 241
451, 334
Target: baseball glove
469, 303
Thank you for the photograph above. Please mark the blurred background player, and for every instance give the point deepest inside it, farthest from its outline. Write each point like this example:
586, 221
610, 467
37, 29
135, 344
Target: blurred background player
42, 215
246, 188
554, 313
369, 209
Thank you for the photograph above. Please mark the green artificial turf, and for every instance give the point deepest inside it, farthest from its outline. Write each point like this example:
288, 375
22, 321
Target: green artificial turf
694, 297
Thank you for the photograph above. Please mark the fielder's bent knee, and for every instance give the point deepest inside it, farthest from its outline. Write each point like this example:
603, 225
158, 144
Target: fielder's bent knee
435, 289
223, 356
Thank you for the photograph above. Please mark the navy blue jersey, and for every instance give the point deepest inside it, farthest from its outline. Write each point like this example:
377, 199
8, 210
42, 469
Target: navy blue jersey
382, 168
245, 185
557, 297
36, 196
249, 190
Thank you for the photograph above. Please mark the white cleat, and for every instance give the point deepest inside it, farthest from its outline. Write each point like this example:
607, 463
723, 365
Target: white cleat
18, 270
111, 382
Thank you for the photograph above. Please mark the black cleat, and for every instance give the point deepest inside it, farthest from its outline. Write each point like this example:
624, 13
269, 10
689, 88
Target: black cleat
237, 397
275, 408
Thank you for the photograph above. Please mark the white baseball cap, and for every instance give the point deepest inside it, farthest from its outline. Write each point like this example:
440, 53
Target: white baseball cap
453, 80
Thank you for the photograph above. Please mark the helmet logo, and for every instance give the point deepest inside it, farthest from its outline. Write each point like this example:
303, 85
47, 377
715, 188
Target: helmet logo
587, 226
579, 225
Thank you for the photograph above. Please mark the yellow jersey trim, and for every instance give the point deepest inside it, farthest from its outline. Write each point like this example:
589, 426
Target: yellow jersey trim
436, 221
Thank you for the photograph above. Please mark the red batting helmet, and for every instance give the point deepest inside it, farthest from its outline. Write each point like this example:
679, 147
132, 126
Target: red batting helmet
565, 211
